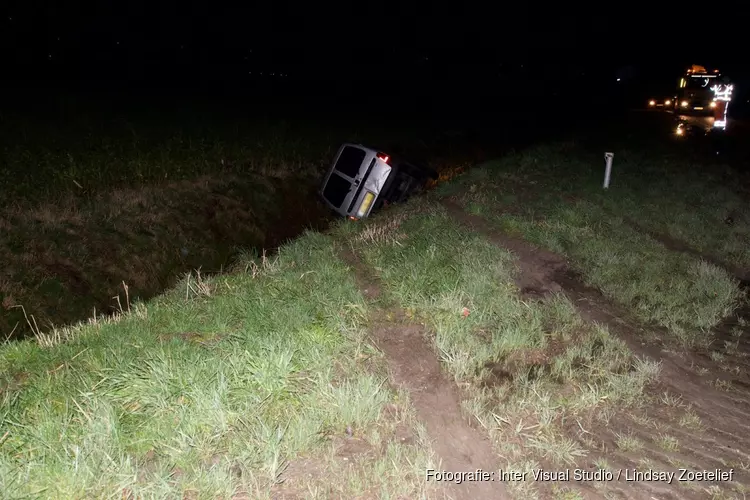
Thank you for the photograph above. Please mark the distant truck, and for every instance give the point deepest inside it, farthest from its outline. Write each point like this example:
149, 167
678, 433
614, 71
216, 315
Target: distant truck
363, 179
700, 92
695, 94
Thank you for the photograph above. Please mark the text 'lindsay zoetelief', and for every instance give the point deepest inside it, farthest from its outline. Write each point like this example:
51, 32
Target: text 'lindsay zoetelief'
631, 475
581, 475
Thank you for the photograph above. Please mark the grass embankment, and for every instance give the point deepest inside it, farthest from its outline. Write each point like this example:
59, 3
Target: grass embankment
66, 261
531, 368
96, 201
212, 389
704, 208
228, 385
553, 197
209, 390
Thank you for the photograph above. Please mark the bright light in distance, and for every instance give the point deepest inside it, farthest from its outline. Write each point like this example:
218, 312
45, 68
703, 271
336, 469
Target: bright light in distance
667, 102
713, 104
684, 104
652, 103
680, 130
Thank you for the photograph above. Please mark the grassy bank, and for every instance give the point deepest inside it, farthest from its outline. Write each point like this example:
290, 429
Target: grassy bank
211, 394
704, 208
529, 367
102, 205
69, 260
228, 386
553, 196
264, 382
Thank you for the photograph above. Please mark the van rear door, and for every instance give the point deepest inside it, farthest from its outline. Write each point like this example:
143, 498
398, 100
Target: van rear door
345, 175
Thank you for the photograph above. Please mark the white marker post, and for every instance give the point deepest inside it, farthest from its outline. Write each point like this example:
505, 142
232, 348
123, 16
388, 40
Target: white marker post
608, 169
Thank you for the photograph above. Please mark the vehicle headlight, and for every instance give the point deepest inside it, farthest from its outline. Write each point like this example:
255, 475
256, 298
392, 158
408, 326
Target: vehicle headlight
684, 104
652, 103
713, 104
667, 102
365, 205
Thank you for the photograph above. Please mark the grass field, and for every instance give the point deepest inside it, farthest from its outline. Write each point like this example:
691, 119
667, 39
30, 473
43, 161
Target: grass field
87, 151
600, 230
211, 391
264, 381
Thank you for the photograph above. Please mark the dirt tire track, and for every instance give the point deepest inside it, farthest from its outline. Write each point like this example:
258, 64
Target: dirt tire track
415, 367
676, 245
725, 432
538, 267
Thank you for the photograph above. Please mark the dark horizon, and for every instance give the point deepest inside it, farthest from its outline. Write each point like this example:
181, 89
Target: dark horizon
204, 44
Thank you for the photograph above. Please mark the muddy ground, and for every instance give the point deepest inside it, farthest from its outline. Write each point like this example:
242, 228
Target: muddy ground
715, 394
700, 399
414, 366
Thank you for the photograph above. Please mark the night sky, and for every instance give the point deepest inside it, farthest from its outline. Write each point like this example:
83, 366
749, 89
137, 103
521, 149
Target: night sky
160, 41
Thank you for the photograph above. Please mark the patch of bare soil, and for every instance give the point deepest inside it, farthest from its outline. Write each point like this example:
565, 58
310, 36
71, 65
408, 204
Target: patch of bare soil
695, 418
349, 453
415, 367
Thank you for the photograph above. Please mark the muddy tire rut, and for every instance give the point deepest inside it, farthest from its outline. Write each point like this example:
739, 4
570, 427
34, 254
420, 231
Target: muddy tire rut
720, 438
414, 366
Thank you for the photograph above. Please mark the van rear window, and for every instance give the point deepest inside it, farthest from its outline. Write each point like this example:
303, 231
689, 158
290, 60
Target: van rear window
336, 190
350, 161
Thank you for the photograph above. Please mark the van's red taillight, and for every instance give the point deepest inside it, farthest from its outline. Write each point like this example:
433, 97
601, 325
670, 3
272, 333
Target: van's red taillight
384, 157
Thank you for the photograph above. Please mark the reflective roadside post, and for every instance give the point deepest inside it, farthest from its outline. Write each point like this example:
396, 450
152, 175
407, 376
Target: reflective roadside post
608, 168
